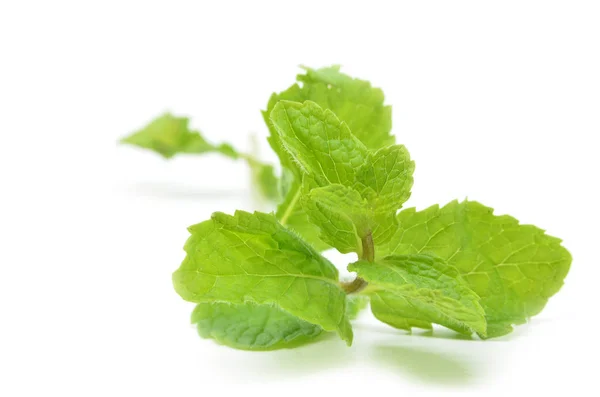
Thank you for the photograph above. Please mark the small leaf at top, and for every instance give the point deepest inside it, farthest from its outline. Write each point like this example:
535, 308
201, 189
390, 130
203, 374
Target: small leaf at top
354, 101
388, 172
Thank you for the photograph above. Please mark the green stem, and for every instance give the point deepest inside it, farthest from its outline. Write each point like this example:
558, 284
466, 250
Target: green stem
368, 254
290, 208
355, 286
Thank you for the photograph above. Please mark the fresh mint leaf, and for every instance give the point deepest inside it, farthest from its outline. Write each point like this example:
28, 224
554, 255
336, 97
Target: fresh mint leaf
386, 178
252, 257
354, 101
168, 135
422, 288
342, 215
318, 142
396, 312
513, 268
314, 138
354, 192
250, 326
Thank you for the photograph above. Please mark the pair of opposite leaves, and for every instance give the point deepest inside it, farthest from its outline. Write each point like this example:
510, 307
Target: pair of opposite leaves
259, 285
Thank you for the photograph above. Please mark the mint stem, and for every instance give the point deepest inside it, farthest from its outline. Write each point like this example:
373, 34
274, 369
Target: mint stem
290, 209
354, 286
368, 254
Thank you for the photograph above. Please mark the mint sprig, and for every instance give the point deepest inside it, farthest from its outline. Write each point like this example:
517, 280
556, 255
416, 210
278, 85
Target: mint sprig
260, 281
170, 135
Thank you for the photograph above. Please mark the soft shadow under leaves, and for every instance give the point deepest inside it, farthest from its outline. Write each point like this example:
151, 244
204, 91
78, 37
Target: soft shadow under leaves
327, 353
424, 365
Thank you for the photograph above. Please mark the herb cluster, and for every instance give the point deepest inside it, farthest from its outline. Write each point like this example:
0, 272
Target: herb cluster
259, 279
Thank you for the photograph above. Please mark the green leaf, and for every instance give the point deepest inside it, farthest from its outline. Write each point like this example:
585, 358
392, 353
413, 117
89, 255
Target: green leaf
386, 178
354, 192
252, 258
354, 101
423, 288
354, 305
319, 143
396, 312
168, 135
514, 268
290, 212
250, 326
342, 215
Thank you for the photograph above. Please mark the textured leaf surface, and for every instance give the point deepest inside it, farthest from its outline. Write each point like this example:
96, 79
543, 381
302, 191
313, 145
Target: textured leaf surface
319, 143
342, 215
354, 101
514, 268
357, 192
315, 136
251, 257
252, 327
422, 288
388, 173
397, 312
169, 135
385, 180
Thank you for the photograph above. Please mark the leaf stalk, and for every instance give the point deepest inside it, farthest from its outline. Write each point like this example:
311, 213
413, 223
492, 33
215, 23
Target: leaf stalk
368, 254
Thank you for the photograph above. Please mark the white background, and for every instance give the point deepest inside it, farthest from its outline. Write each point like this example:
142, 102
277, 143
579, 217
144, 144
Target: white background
497, 101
